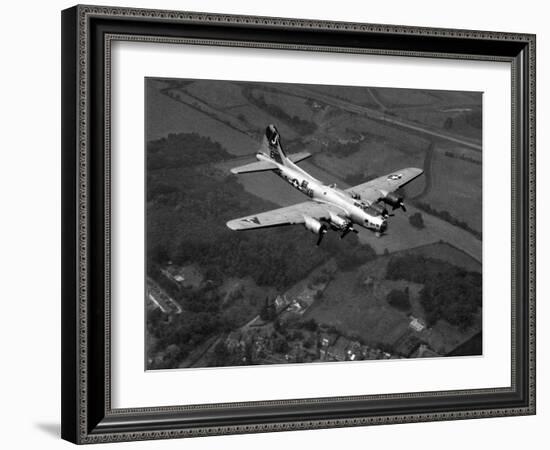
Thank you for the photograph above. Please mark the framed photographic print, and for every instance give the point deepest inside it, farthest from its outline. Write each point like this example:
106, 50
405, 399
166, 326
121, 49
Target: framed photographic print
281, 224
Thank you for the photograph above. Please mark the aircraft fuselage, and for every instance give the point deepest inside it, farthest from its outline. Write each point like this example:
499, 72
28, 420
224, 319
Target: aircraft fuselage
351, 209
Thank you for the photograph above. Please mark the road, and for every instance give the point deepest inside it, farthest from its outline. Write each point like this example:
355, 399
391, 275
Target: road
376, 99
157, 304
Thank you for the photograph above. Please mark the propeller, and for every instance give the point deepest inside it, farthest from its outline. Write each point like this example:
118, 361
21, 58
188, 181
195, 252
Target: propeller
400, 205
346, 231
322, 233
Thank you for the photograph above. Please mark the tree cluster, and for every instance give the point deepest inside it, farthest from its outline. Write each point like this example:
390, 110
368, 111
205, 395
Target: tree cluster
187, 211
302, 126
183, 150
416, 220
399, 299
176, 336
189, 227
450, 293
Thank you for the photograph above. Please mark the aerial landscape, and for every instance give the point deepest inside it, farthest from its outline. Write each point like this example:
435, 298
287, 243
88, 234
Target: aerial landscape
218, 297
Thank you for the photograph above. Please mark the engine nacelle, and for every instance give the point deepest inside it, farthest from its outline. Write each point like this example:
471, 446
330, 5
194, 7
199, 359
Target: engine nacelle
314, 225
338, 222
394, 200
380, 209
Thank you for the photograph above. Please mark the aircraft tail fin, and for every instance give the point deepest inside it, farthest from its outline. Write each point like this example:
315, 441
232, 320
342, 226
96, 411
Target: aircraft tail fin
272, 144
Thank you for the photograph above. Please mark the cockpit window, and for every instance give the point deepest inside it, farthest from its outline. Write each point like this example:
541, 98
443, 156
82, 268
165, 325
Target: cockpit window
333, 185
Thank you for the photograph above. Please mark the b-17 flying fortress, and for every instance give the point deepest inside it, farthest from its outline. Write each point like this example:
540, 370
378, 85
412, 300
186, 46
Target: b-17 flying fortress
329, 207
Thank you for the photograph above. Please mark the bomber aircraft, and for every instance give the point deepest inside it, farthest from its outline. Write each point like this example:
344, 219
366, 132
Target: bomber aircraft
328, 207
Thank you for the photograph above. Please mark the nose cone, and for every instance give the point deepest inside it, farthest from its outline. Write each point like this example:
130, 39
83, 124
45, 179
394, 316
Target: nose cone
383, 226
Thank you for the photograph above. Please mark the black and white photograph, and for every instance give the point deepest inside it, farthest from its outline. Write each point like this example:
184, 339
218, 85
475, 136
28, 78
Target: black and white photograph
276, 225
302, 223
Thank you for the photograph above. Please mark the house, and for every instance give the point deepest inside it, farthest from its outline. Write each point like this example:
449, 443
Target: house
327, 339
296, 307
281, 303
354, 351
416, 324
233, 342
179, 277
324, 342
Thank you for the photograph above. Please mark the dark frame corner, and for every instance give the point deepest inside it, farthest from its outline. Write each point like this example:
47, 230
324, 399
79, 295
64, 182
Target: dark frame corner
87, 416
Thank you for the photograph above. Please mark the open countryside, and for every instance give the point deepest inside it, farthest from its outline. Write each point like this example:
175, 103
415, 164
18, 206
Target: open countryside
219, 298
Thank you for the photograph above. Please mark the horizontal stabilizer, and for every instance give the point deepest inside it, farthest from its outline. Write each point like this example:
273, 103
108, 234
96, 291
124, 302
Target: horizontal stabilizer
300, 156
258, 166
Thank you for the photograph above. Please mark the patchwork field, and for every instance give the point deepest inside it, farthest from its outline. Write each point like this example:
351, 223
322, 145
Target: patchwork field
456, 187
354, 134
167, 115
356, 301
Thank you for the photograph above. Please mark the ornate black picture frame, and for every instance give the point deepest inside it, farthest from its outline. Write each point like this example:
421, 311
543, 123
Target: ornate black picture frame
87, 34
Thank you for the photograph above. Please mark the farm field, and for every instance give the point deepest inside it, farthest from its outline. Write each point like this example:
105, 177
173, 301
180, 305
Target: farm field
356, 301
213, 290
167, 115
225, 114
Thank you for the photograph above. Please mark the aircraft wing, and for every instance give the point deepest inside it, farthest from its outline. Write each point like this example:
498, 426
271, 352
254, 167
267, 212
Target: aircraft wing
372, 190
288, 215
